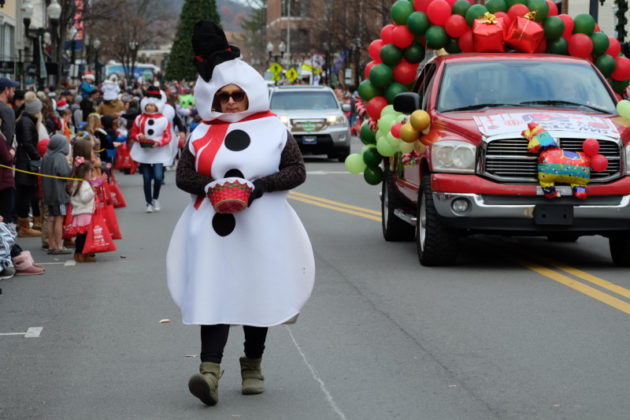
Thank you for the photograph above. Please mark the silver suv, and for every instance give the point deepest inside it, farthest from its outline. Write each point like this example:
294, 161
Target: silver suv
314, 117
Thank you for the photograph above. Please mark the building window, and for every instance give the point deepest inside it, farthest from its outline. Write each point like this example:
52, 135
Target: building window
295, 8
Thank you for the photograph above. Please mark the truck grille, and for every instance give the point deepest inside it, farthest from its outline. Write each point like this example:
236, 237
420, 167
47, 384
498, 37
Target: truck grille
508, 160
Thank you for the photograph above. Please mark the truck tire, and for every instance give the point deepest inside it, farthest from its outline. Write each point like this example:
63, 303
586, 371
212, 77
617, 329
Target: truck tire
563, 237
620, 249
394, 229
436, 245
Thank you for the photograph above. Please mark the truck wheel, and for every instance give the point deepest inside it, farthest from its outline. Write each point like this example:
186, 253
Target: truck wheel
563, 237
394, 229
435, 243
620, 250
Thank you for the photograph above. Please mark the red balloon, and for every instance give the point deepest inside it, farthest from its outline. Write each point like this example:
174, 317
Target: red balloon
451, 2
402, 36
405, 72
542, 46
395, 130
375, 106
456, 26
590, 147
438, 12
387, 33
465, 42
597, 28
421, 5
518, 10
374, 49
369, 66
599, 163
580, 45
553, 9
568, 25
622, 68
614, 47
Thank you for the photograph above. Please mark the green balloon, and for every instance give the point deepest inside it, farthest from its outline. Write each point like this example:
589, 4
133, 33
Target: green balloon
371, 156
619, 86
390, 54
475, 11
401, 11
460, 7
436, 37
600, 43
559, 46
496, 6
354, 163
389, 109
381, 75
623, 108
373, 176
452, 47
418, 23
510, 3
394, 89
368, 91
541, 7
554, 27
385, 123
606, 64
367, 135
414, 53
584, 24
384, 148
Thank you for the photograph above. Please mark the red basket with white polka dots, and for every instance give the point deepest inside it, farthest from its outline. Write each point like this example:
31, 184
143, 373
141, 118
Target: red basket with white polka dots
230, 195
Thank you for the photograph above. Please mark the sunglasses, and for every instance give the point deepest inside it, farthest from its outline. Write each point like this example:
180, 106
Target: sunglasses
237, 96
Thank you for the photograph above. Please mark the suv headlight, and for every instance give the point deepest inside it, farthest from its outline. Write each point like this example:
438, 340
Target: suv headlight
627, 159
337, 120
285, 120
453, 156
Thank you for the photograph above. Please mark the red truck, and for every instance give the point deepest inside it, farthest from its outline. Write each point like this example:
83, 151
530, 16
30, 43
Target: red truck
474, 173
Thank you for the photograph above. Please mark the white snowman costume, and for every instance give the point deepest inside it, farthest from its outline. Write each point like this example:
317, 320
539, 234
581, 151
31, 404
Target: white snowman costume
156, 128
169, 113
254, 267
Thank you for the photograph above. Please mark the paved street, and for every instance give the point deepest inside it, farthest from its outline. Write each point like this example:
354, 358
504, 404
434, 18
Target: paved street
519, 329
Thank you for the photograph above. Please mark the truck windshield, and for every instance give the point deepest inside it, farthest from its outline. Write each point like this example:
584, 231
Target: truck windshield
519, 83
303, 100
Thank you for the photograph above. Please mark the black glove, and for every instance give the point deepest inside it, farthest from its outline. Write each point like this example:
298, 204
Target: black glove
259, 189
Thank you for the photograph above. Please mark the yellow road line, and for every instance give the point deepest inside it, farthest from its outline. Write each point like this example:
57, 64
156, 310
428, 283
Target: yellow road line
339, 209
621, 291
576, 285
335, 203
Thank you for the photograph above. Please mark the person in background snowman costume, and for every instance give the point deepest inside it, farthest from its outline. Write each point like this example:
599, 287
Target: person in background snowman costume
253, 267
151, 133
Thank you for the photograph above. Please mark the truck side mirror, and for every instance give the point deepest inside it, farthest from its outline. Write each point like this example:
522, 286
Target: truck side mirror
407, 102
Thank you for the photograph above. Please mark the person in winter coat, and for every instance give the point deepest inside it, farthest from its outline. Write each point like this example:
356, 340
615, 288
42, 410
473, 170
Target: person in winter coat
7, 182
55, 163
107, 136
26, 184
250, 263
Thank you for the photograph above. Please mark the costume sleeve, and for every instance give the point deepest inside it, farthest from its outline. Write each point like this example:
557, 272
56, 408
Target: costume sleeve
168, 135
177, 122
187, 178
292, 172
135, 129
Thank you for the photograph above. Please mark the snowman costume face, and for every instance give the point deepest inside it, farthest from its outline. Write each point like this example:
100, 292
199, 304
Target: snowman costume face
254, 267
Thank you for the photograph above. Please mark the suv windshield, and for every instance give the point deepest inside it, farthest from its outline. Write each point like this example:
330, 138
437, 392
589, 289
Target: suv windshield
477, 85
303, 100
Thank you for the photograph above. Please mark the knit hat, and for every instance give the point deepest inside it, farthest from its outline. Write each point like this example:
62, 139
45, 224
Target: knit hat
32, 104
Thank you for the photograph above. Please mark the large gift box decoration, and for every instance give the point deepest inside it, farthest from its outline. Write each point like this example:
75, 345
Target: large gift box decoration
524, 34
488, 33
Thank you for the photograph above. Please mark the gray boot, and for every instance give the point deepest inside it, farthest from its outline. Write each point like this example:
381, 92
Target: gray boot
253, 380
205, 384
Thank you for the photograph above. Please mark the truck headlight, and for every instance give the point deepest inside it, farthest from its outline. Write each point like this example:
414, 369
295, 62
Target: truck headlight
453, 156
336, 120
627, 159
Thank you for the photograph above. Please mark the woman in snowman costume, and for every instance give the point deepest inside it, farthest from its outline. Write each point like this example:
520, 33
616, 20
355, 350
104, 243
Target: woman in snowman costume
151, 133
254, 267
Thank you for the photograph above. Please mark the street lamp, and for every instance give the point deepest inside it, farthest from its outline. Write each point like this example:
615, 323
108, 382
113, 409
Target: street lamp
54, 13
97, 45
282, 47
133, 45
27, 14
269, 50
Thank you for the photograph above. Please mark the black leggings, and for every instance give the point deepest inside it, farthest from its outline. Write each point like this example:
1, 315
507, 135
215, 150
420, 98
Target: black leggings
26, 199
214, 338
79, 243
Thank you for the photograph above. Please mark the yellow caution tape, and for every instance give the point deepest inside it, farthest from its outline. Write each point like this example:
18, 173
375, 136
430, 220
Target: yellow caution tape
38, 174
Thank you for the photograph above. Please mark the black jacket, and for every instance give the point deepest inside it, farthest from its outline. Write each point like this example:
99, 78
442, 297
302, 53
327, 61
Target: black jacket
27, 138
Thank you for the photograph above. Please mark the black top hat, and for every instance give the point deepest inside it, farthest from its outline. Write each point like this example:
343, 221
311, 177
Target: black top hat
211, 48
153, 92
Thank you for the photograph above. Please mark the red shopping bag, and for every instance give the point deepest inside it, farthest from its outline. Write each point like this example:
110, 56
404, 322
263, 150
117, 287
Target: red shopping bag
112, 221
117, 197
68, 231
123, 157
98, 237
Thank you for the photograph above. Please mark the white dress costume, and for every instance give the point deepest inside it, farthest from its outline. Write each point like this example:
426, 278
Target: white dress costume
155, 127
254, 267
169, 113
